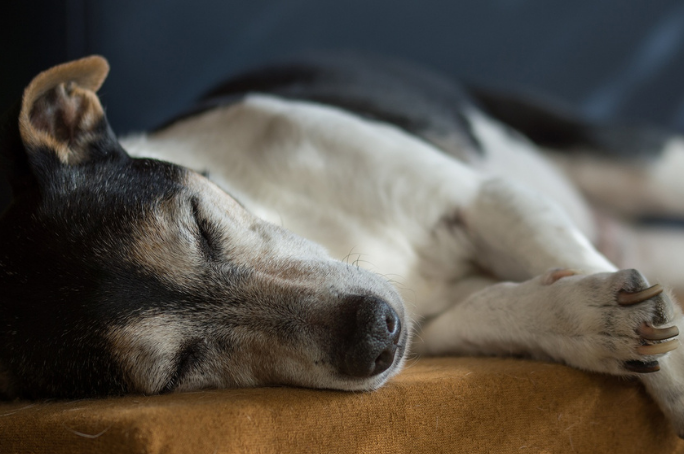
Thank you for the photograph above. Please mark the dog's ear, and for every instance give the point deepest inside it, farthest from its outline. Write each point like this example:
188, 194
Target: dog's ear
61, 114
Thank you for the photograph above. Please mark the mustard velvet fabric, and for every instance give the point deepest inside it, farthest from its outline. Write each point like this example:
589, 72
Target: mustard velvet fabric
449, 405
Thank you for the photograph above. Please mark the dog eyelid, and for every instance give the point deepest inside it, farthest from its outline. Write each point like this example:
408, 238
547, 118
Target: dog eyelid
206, 234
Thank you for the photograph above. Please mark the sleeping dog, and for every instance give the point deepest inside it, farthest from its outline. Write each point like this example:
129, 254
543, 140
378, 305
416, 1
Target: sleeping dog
304, 220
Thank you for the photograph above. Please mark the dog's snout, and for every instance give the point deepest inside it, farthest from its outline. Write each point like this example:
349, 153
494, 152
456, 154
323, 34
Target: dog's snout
374, 333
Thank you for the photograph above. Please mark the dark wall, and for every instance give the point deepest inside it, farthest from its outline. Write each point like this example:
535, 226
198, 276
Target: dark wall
608, 58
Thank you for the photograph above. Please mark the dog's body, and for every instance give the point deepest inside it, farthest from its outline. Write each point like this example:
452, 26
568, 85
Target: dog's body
159, 281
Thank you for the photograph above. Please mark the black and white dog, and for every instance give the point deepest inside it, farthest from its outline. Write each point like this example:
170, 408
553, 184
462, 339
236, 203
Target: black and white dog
336, 205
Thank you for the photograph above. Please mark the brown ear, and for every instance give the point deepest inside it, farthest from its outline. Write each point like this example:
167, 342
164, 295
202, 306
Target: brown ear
60, 110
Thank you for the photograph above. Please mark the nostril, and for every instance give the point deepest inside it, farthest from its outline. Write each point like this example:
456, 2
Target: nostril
385, 360
393, 326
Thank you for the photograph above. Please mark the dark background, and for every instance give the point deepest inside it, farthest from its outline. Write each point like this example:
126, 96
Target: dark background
610, 59
615, 59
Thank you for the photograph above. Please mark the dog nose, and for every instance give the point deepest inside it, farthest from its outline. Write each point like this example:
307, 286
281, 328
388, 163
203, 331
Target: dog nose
372, 343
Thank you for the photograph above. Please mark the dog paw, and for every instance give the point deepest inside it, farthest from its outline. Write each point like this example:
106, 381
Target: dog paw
645, 321
615, 323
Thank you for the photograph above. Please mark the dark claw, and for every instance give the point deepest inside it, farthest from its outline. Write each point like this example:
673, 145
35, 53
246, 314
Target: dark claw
650, 333
659, 348
629, 299
642, 367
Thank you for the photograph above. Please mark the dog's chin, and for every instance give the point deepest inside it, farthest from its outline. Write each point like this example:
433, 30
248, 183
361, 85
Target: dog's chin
369, 384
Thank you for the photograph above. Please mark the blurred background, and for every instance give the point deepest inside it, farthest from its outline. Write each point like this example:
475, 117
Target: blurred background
608, 59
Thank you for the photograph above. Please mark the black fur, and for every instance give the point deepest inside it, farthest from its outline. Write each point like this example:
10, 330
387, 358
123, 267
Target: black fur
420, 102
549, 124
53, 316
432, 106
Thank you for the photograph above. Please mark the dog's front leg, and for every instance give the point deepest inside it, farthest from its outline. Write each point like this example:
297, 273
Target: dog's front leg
605, 322
519, 234
572, 306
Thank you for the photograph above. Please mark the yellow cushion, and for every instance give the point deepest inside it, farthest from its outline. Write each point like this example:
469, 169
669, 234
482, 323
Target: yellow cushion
469, 405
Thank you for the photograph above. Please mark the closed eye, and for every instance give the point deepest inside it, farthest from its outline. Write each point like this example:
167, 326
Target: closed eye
187, 359
207, 233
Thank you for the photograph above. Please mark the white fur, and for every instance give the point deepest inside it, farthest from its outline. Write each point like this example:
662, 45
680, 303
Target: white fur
512, 156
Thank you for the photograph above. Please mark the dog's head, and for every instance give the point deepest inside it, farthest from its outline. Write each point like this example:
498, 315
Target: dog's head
133, 275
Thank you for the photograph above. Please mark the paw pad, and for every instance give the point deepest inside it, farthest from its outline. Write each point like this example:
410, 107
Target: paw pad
642, 367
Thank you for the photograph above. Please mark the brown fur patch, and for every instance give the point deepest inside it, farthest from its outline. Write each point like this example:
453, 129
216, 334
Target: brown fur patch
146, 349
164, 244
60, 106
